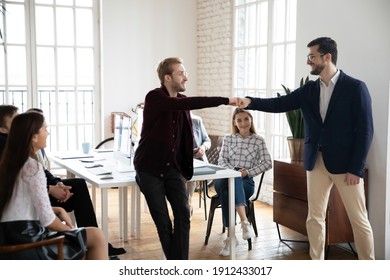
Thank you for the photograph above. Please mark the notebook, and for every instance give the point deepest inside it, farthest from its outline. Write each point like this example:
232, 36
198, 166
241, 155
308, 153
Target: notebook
100, 171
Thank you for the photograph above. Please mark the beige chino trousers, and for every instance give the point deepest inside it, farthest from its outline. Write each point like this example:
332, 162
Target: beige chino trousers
319, 184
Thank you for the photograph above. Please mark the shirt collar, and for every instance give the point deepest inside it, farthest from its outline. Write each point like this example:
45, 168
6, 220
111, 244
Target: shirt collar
333, 80
335, 77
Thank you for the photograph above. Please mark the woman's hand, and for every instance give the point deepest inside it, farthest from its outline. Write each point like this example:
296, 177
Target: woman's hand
63, 216
244, 172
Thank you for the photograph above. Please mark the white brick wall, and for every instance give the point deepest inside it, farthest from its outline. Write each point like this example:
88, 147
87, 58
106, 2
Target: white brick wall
215, 68
215, 61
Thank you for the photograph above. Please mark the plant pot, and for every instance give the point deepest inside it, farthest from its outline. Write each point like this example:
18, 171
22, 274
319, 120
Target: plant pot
296, 148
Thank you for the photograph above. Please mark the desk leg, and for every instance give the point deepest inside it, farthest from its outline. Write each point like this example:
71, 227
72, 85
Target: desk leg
104, 212
93, 189
123, 219
135, 212
232, 222
138, 211
70, 175
132, 213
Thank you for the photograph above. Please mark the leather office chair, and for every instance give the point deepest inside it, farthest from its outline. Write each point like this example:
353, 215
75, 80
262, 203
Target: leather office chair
59, 241
250, 212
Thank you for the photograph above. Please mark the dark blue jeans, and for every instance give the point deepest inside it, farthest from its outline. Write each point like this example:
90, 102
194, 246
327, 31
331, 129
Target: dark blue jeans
172, 187
243, 189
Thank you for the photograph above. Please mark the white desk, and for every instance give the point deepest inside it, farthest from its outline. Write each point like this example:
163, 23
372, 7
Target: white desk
125, 180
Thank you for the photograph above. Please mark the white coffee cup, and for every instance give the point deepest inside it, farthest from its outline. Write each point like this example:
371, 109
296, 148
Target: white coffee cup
86, 146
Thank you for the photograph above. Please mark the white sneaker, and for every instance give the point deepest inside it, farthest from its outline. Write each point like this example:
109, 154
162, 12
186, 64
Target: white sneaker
247, 230
226, 247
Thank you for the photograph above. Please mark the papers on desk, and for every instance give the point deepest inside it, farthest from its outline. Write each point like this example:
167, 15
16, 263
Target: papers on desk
99, 170
71, 155
123, 168
103, 150
125, 176
91, 160
206, 169
199, 163
203, 168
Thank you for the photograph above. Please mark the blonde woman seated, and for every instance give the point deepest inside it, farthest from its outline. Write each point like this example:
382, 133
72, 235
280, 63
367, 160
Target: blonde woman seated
23, 191
246, 152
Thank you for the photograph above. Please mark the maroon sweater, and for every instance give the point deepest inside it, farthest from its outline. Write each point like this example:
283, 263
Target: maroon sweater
166, 136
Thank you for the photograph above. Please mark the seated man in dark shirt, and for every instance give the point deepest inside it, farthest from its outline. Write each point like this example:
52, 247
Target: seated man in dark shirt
70, 194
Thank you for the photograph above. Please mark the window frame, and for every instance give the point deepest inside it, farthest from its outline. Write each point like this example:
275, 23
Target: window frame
73, 129
273, 127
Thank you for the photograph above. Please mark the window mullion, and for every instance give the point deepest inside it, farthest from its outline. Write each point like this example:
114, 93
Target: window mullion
269, 118
99, 120
75, 87
31, 54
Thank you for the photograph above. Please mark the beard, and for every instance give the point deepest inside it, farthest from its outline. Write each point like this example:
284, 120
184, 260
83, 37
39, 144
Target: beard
317, 70
178, 87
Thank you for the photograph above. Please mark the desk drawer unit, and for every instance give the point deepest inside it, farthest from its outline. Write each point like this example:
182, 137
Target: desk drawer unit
290, 203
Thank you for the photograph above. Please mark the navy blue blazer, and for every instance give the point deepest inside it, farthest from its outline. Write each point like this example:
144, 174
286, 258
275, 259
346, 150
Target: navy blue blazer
345, 135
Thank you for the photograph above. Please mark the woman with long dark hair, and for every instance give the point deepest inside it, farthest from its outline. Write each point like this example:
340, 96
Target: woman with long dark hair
23, 192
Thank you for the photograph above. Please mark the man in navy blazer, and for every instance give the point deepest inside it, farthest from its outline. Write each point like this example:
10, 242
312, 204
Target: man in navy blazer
338, 133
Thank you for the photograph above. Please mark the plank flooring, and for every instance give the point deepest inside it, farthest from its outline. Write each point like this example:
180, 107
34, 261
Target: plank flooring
266, 246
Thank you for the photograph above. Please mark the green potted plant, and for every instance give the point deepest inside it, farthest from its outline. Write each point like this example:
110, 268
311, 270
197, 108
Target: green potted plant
295, 122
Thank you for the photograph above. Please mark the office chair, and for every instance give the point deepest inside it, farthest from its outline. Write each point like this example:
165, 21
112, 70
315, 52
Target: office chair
59, 240
212, 157
250, 212
104, 142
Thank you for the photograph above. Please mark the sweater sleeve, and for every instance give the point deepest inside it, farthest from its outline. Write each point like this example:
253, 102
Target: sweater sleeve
34, 178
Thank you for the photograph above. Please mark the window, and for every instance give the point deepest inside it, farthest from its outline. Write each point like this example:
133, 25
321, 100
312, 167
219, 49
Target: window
264, 50
49, 59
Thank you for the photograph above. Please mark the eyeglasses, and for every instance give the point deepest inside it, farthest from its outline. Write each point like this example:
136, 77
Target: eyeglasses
311, 57
181, 74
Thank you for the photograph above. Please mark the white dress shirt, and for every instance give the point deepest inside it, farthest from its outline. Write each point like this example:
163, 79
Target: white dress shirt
326, 94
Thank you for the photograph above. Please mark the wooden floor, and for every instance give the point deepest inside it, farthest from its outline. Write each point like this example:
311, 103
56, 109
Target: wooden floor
266, 246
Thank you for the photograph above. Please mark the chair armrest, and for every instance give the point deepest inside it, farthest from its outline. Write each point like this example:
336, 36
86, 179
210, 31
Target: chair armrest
59, 240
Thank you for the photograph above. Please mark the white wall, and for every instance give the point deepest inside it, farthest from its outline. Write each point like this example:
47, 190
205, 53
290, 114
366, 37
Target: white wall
360, 28
136, 35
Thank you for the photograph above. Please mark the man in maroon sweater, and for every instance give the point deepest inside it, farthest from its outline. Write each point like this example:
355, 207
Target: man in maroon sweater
164, 158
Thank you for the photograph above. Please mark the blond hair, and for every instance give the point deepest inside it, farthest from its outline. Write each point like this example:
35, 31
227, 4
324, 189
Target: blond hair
165, 67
